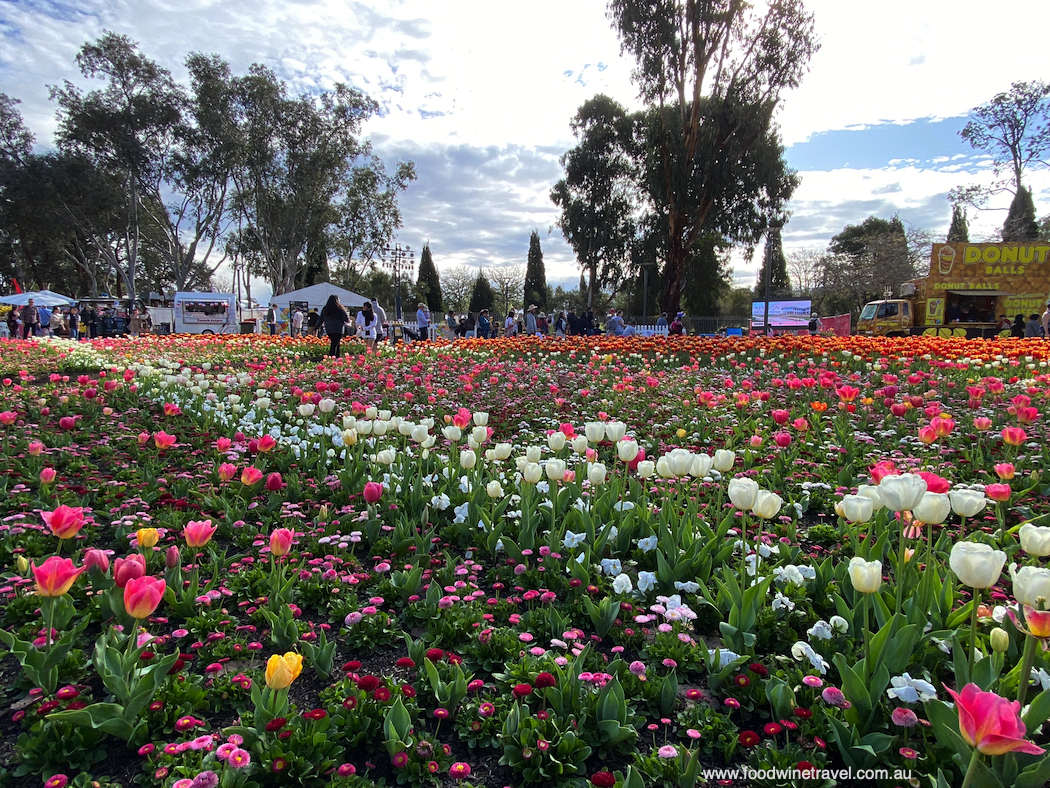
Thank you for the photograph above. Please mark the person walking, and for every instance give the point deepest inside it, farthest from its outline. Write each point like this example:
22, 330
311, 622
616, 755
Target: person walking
335, 319
44, 313
271, 319
297, 322
91, 321
135, 323
484, 324
13, 319
530, 321
383, 330
30, 319
423, 321
313, 320
661, 322
367, 325
510, 325
73, 323
677, 328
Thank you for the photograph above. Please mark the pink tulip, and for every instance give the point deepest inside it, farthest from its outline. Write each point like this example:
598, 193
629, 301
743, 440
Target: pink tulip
223, 444
163, 440
934, 483
55, 576
250, 476
274, 482
172, 558
373, 492
782, 439
143, 438
998, 492
227, 471
47, 475
281, 541
65, 522
982, 423
882, 469
67, 423
781, 416
927, 435
8, 417
991, 723
95, 558
1005, 471
1014, 436
130, 568
198, 532
800, 424
142, 595
266, 443
36, 448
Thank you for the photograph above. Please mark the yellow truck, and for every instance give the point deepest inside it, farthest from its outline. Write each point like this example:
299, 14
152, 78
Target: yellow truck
968, 290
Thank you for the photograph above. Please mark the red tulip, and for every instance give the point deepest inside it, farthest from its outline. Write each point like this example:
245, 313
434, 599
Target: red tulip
127, 569
198, 532
55, 576
250, 476
67, 422
373, 492
991, 723
882, 469
898, 409
65, 522
266, 443
782, 439
142, 595
934, 483
281, 541
274, 482
781, 416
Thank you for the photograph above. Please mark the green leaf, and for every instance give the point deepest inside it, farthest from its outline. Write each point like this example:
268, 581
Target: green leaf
1035, 776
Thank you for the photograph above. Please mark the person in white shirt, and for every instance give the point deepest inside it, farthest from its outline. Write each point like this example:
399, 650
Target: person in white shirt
423, 321
297, 323
530, 320
367, 325
381, 317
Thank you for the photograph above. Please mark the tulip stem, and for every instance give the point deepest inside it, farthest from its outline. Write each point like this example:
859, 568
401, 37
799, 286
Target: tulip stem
973, 626
867, 635
900, 570
971, 770
1026, 669
50, 622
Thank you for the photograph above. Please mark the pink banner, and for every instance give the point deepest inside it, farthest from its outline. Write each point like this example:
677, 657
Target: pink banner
840, 324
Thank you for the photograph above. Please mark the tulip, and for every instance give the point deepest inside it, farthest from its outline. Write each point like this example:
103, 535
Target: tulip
502, 451
373, 492
198, 533
281, 671
451, 433
723, 460
627, 450
349, 437
494, 489
467, 459
55, 576
871, 491
251, 476
172, 557
1035, 540
866, 576
780, 416
999, 640
767, 504
555, 470
579, 444
387, 457
742, 492
306, 409
614, 431
902, 492
681, 461
1014, 436
596, 474
480, 434
47, 475
22, 565
127, 569
646, 469
942, 426
420, 433
556, 440
280, 541
702, 465
533, 454
782, 439
380, 427
1032, 586
96, 559
998, 492
967, 503
532, 472
163, 440
274, 482
991, 724
226, 472
147, 537
927, 435
663, 468
481, 418
932, 508
857, 508
326, 405
35, 449
976, 565
142, 595
65, 522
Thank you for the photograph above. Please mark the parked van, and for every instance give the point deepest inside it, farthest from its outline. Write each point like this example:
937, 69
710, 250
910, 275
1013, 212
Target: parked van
205, 313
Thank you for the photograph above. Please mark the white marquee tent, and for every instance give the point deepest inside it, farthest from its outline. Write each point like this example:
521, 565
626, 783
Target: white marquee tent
316, 296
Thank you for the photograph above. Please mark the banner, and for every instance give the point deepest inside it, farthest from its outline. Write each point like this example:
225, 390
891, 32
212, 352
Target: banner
840, 324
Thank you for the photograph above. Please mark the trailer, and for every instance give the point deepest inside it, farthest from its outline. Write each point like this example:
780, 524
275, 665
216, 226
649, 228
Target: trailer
205, 313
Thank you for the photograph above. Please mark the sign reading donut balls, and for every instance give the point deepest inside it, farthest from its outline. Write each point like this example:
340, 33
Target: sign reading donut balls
1020, 269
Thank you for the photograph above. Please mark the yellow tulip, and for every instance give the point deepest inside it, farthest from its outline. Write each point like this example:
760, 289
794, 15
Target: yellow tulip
147, 537
282, 671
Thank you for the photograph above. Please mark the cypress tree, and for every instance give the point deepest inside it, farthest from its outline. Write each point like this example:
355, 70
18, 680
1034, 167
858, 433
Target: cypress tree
1020, 222
959, 232
535, 275
780, 284
482, 297
428, 284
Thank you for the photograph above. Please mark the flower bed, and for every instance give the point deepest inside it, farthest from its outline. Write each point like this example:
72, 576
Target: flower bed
609, 562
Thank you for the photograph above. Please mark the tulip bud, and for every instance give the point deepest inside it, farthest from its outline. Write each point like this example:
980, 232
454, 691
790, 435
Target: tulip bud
866, 576
532, 454
172, 558
596, 474
23, 564
467, 459
532, 472
494, 489
1000, 640
147, 537
724, 460
47, 475
646, 469
579, 444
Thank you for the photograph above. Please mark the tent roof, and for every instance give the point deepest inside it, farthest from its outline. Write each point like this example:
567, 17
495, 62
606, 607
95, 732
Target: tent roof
317, 295
41, 298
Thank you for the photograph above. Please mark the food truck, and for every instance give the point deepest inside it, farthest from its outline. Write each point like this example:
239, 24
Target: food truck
205, 313
969, 286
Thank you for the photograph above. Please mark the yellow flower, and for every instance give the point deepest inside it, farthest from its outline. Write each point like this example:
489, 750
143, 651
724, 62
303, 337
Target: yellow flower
680, 433
147, 537
282, 671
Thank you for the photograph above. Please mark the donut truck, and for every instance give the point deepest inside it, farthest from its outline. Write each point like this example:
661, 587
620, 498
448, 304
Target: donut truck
968, 287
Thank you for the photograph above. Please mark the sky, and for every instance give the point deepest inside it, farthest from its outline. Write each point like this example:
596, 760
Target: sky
480, 95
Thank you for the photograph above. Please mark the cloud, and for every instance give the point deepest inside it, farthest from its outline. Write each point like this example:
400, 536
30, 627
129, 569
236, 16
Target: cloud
892, 188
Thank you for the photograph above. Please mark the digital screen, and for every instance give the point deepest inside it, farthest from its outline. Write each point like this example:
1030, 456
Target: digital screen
787, 313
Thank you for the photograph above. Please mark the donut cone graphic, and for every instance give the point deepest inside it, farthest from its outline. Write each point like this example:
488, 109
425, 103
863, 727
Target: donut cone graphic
946, 259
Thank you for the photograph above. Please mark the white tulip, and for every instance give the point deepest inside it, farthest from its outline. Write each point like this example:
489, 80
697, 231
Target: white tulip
472, 444
556, 440
428, 443
494, 489
724, 460
326, 405
364, 428
420, 433
452, 433
383, 415
663, 469
767, 504
371, 413
681, 461
596, 474
967, 503
1032, 584
386, 457
702, 465
532, 473
467, 459
646, 469
975, 564
379, 427
532, 453
306, 409
857, 508
395, 423
579, 444
932, 508
480, 434
349, 422
866, 576
1035, 539
555, 470
627, 450
901, 493
405, 428
615, 430
502, 451
594, 431
872, 492
742, 492
520, 463
481, 418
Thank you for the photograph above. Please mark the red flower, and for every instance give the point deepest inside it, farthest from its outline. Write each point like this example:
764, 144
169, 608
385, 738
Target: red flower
405, 662
545, 680
748, 738
759, 669
352, 666
522, 690
408, 690
368, 683
435, 654
350, 703
382, 695
276, 724
315, 714
771, 729
603, 779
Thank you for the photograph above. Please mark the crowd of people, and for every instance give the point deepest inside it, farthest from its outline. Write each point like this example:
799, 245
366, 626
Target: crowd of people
37, 320
535, 322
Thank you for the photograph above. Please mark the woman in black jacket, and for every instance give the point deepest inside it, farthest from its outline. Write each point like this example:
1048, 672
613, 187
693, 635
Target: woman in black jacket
334, 318
1017, 329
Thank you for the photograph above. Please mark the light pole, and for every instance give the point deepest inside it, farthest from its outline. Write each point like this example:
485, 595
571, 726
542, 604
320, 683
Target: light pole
645, 290
398, 260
